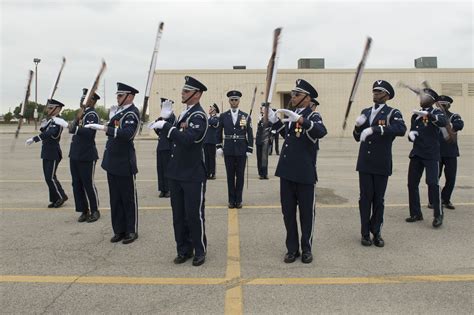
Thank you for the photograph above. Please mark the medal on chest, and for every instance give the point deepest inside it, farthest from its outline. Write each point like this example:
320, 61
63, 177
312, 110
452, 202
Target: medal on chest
243, 122
116, 124
183, 126
381, 122
298, 130
424, 119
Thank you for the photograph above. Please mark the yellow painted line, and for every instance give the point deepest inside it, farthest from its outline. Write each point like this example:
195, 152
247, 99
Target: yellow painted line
362, 280
111, 280
319, 206
233, 295
223, 281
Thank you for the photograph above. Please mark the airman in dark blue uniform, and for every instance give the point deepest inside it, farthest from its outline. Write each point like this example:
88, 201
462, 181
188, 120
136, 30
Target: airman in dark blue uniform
163, 154
187, 174
235, 143
82, 160
120, 163
297, 168
210, 141
424, 133
51, 154
449, 151
376, 128
259, 140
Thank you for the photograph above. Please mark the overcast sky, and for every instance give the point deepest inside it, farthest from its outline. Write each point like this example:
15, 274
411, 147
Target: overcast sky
216, 35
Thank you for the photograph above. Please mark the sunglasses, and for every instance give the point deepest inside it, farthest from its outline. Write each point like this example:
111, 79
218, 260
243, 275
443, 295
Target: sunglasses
186, 91
233, 100
121, 95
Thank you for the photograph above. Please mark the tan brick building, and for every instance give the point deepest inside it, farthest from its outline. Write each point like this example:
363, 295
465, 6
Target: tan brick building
333, 86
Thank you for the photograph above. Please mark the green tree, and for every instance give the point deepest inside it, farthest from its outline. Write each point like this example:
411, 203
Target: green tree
69, 114
8, 116
29, 110
102, 112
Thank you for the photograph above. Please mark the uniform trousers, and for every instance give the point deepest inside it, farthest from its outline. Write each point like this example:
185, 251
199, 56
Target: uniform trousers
162, 159
262, 171
235, 168
415, 171
56, 191
450, 165
294, 194
210, 159
188, 203
371, 202
123, 203
83, 186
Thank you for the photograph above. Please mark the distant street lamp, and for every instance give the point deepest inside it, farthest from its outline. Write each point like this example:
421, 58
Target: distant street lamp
35, 113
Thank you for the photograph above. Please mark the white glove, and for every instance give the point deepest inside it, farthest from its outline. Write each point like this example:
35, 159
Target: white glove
273, 132
248, 154
113, 110
29, 141
95, 126
421, 113
220, 152
166, 109
412, 135
159, 124
292, 116
361, 120
154, 125
272, 117
61, 122
365, 133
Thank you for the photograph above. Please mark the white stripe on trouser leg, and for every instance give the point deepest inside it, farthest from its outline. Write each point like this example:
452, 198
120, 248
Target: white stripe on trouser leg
54, 182
200, 217
136, 202
95, 188
314, 215
439, 193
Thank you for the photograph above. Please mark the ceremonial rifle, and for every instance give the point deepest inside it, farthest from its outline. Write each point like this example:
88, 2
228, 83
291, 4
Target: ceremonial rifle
269, 86
89, 99
360, 70
249, 116
25, 102
151, 72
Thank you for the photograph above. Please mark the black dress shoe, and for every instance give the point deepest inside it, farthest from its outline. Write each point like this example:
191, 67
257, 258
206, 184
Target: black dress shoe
60, 202
231, 205
130, 238
430, 206
117, 238
182, 258
83, 217
51, 205
414, 218
449, 205
437, 221
161, 195
306, 258
366, 241
95, 215
199, 260
291, 257
378, 241
167, 194
212, 177
238, 205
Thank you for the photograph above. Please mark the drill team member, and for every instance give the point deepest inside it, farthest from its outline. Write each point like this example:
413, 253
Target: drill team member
187, 174
424, 133
210, 141
235, 143
297, 168
376, 128
51, 154
82, 160
120, 163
